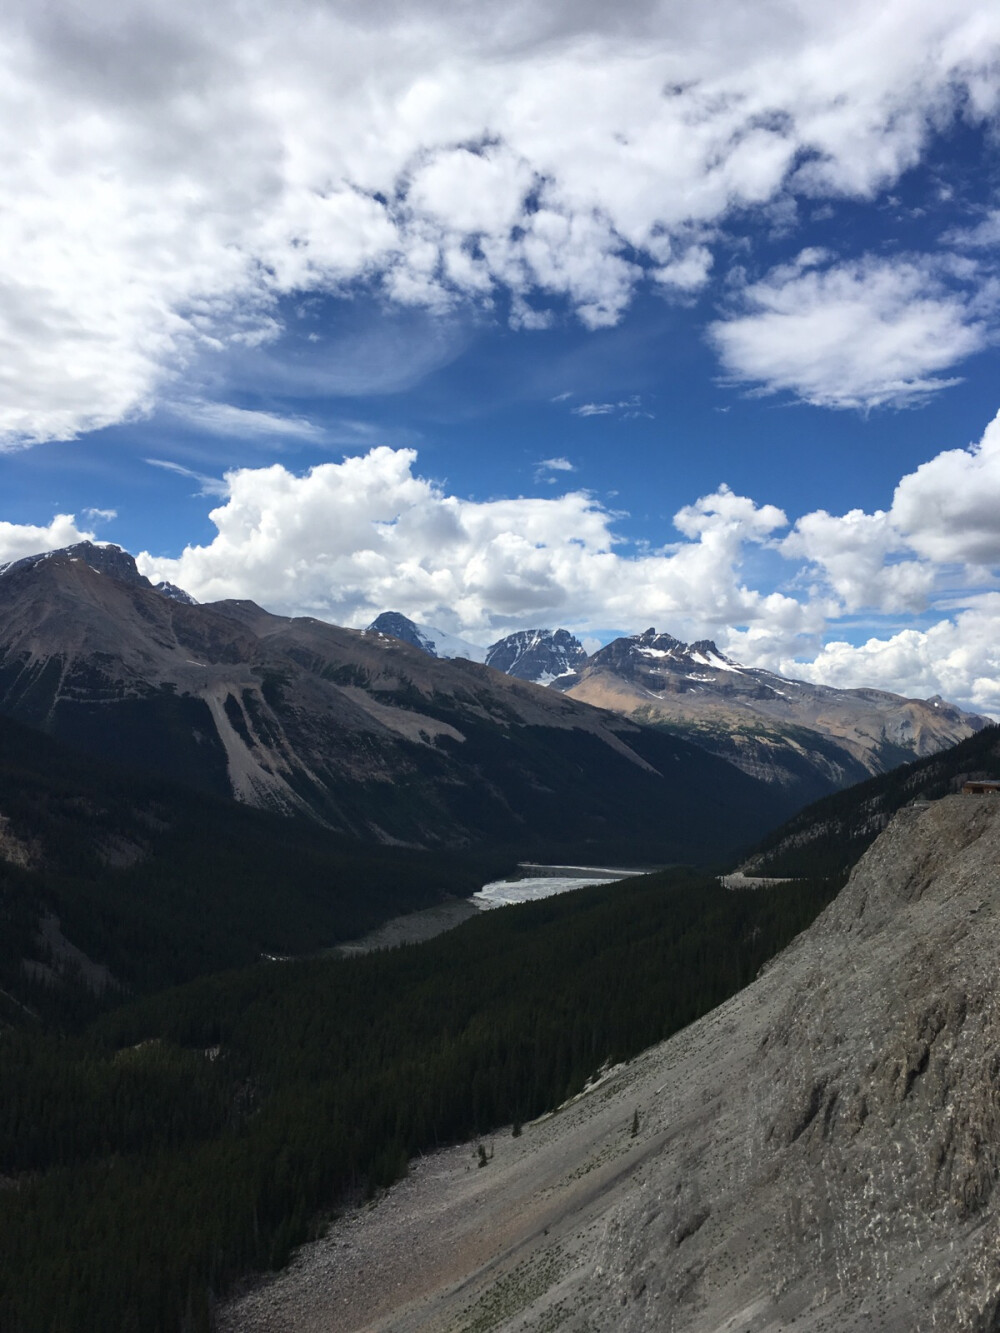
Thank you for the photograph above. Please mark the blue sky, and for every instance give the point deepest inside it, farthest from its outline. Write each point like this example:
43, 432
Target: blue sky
515, 315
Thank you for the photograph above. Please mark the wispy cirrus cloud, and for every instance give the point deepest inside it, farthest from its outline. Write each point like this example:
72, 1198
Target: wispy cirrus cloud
217, 418
207, 485
627, 408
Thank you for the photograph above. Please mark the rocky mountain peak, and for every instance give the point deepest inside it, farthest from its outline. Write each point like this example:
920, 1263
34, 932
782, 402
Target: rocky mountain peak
428, 638
539, 655
401, 627
105, 558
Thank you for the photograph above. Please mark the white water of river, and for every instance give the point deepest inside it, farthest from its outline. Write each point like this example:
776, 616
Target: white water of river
506, 892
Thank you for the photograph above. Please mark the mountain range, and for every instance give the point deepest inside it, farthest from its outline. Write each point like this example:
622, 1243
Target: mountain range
360, 731
811, 739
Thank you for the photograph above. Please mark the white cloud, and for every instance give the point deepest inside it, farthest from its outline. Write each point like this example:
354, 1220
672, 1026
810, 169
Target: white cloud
628, 409
688, 272
949, 508
347, 540
206, 485
548, 469
984, 235
856, 553
594, 409
224, 419
100, 515
957, 658
172, 171
864, 334
944, 516
18, 540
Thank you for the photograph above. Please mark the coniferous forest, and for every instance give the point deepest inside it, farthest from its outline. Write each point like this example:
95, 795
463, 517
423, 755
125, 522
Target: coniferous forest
187, 1138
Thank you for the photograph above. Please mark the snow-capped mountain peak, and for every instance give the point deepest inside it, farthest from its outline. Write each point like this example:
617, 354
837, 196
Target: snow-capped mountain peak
435, 642
539, 655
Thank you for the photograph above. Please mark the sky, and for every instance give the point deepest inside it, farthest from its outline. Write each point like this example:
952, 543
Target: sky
517, 315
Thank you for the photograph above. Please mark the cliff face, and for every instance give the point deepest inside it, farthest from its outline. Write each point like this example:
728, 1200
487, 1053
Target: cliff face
820, 1153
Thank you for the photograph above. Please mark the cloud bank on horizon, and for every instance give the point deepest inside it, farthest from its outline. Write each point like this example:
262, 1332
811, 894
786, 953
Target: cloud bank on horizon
347, 540
179, 178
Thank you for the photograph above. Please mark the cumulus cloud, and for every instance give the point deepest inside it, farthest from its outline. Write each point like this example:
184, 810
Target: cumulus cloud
957, 658
347, 540
944, 516
869, 333
857, 554
949, 508
178, 170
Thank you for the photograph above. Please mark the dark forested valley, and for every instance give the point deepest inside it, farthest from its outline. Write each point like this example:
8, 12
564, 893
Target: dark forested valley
200, 1133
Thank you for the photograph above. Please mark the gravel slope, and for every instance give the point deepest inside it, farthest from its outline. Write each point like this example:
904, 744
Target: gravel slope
818, 1153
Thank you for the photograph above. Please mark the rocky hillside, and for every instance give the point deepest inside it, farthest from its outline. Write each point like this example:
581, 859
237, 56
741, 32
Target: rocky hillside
811, 738
828, 837
366, 734
819, 1153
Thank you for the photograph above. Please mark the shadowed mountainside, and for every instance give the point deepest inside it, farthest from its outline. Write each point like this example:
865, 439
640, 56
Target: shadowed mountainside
368, 735
113, 883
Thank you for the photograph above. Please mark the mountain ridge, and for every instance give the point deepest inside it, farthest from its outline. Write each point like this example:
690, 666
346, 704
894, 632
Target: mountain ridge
811, 739
367, 734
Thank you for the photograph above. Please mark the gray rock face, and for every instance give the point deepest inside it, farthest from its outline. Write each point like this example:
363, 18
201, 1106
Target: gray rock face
844, 1174
821, 1153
